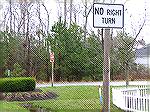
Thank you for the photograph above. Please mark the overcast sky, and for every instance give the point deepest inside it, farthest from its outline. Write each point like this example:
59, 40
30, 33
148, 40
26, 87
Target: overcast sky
134, 13
136, 9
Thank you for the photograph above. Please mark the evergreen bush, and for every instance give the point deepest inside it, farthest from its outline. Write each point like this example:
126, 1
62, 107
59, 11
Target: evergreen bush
17, 84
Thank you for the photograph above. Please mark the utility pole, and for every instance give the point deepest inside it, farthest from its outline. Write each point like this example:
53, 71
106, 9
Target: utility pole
52, 61
106, 71
97, 23
52, 74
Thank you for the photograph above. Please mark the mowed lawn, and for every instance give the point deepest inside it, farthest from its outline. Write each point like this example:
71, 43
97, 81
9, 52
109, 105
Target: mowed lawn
71, 99
11, 107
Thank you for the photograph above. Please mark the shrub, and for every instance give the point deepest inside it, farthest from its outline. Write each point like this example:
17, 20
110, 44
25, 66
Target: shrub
18, 84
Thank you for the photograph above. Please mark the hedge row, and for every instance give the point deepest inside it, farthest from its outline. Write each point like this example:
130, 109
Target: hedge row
18, 84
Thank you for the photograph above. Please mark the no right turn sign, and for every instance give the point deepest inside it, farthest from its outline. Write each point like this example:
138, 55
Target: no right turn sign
108, 15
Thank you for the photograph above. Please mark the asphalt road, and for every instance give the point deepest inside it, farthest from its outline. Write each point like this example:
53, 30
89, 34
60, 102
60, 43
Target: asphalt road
116, 83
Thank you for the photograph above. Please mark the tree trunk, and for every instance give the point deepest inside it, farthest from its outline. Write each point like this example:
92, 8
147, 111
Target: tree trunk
1, 96
10, 3
126, 75
28, 48
85, 24
71, 11
65, 11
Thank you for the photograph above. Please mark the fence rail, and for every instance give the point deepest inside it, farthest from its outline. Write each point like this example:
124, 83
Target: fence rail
132, 99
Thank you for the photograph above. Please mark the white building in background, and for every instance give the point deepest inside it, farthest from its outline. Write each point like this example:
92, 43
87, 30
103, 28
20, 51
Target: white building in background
142, 55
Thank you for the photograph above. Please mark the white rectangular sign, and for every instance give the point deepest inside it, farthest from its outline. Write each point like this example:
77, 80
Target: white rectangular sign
108, 15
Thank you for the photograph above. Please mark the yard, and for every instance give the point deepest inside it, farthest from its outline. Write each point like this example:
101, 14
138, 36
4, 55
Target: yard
71, 99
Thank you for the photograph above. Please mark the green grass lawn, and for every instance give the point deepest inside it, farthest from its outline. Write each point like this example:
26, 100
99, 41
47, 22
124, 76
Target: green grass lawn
11, 107
71, 99
74, 99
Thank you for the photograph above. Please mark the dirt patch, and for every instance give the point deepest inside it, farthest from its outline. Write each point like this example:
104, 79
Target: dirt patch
31, 108
37, 94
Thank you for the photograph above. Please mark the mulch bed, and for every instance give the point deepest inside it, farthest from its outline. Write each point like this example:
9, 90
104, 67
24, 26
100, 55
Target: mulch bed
37, 94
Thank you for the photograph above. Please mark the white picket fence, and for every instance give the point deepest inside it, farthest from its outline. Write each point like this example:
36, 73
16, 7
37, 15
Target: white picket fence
132, 99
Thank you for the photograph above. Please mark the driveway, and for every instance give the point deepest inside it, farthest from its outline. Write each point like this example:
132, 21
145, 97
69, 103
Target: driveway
114, 83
